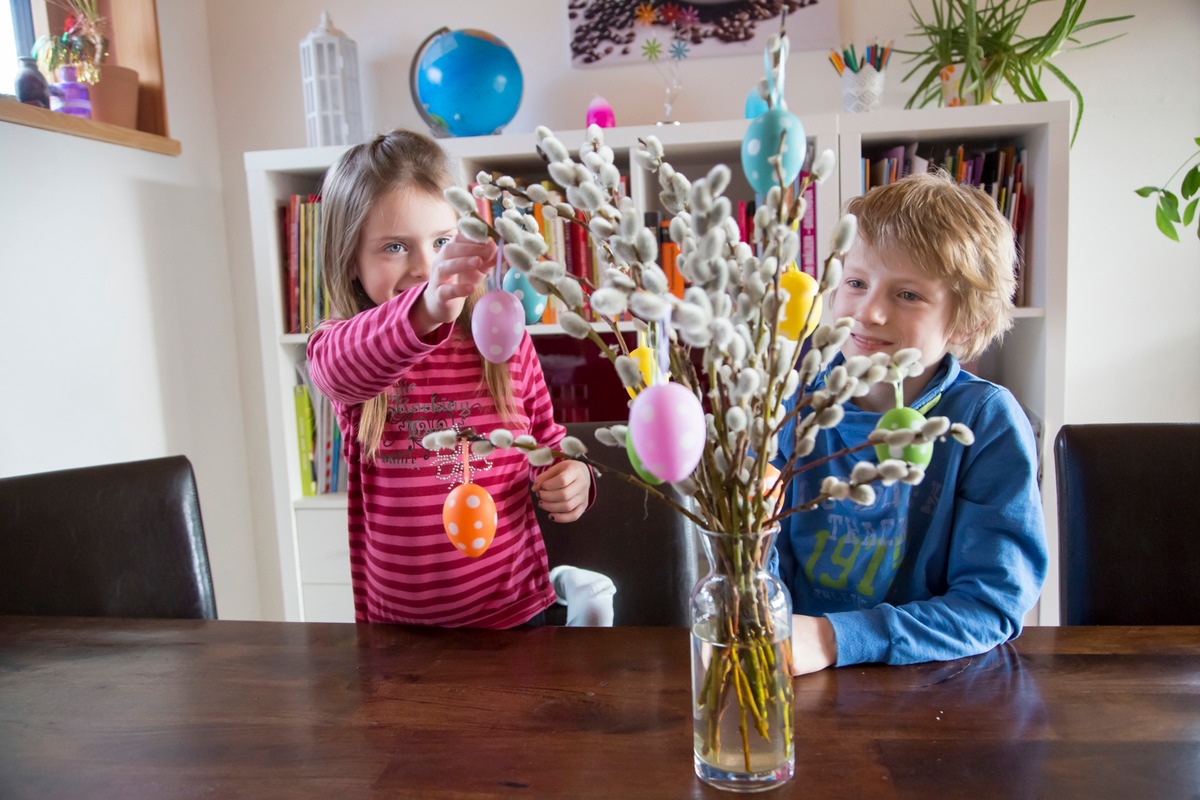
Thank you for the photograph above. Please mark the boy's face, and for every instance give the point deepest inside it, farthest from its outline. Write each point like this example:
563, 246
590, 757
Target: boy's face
894, 304
401, 237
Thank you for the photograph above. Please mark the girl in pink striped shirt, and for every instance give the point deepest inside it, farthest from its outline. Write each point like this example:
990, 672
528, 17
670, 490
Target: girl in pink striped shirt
397, 360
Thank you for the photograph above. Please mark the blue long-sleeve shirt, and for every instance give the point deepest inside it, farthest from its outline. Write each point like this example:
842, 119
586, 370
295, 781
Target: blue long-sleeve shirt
941, 570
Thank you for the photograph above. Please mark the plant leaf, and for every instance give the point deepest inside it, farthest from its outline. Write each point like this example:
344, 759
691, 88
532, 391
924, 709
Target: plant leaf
1146, 191
1058, 73
1191, 181
1170, 205
1189, 213
1165, 225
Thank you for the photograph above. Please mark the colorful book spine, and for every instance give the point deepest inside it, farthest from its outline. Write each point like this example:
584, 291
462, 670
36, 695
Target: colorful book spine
305, 433
808, 231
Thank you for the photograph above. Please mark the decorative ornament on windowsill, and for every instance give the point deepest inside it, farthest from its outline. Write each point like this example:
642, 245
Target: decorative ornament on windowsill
329, 76
69, 96
742, 312
110, 90
32, 87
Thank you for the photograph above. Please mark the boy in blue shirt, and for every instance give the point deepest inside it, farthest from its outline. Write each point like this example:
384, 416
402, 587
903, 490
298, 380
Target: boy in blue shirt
947, 568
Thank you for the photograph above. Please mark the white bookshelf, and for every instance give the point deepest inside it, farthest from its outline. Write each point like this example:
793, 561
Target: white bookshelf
311, 531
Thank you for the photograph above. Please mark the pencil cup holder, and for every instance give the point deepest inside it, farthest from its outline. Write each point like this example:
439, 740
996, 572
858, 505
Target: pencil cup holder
862, 90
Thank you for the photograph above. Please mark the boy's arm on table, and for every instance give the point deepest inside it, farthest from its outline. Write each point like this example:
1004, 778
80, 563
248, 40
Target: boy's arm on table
996, 563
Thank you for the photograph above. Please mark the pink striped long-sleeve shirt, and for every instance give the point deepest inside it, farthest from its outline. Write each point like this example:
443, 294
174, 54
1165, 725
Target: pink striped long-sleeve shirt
402, 565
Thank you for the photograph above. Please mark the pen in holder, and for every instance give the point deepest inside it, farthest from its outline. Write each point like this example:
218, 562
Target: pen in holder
862, 75
862, 90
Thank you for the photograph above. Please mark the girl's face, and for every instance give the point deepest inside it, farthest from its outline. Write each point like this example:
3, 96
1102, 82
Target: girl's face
894, 304
402, 235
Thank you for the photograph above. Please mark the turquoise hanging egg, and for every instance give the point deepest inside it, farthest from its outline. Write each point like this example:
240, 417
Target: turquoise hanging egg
761, 144
534, 304
755, 105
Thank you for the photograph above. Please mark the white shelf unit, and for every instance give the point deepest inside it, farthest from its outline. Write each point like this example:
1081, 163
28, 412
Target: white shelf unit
311, 531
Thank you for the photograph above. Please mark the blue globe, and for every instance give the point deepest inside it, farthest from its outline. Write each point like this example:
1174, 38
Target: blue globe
465, 82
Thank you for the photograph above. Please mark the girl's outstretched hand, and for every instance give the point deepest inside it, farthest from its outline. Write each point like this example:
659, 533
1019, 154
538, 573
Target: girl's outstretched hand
460, 266
562, 490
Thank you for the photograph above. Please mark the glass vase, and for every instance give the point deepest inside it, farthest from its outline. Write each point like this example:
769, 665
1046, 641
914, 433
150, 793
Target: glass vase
741, 617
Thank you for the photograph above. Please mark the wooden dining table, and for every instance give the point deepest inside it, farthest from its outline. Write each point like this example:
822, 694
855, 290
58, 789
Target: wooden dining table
110, 708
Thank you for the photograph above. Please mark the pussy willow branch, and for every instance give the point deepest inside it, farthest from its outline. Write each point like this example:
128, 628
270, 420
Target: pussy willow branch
572, 219
475, 437
592, 333
822, 497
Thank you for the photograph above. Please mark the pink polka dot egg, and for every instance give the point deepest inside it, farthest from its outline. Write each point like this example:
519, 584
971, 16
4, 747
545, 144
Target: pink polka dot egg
469, 516
497, 324
667, 428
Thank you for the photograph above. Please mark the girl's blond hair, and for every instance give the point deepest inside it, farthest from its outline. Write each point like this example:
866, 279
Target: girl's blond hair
953, 232
359, 179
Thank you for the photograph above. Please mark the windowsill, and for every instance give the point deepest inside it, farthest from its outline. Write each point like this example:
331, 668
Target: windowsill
22, 114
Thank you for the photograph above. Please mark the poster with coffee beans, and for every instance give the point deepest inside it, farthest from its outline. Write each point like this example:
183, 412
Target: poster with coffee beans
610, 32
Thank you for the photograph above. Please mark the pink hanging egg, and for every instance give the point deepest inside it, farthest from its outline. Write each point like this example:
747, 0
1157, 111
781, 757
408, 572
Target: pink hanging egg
667, 428
599, 112
497, 323
469, 516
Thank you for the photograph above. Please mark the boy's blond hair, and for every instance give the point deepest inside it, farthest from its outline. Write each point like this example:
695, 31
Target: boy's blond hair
953, 232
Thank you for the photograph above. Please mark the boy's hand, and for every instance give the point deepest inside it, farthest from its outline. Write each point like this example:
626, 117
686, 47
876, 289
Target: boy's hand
562, 489
814, 647
460, 266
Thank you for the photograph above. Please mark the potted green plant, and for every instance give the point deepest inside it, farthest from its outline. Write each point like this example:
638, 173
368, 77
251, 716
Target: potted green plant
978, 41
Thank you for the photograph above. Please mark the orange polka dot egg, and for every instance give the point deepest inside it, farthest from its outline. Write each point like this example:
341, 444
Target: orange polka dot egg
469, 515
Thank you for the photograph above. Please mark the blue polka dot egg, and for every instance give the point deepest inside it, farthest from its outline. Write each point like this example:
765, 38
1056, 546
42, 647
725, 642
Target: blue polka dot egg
532, 302
761, 144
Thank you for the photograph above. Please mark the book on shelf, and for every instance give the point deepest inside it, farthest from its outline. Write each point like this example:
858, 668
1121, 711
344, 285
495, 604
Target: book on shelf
305, 303
808, 230
305, 432
322, 466
997, 169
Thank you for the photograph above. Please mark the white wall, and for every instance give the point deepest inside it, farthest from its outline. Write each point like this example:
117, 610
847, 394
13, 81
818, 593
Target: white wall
121, 341
116, 340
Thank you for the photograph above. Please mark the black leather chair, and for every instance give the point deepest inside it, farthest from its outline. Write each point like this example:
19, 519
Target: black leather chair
644, 545
1129, 523
117, 540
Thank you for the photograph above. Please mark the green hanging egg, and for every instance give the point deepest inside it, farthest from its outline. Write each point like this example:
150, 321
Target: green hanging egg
900, 419
636, 463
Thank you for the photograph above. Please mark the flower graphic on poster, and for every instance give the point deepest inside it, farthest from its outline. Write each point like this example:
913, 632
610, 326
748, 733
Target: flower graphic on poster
611, 32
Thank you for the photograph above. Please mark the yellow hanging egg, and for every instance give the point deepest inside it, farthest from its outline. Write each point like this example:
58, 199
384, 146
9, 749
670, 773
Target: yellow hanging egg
644, 356
803, 294
469, 516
